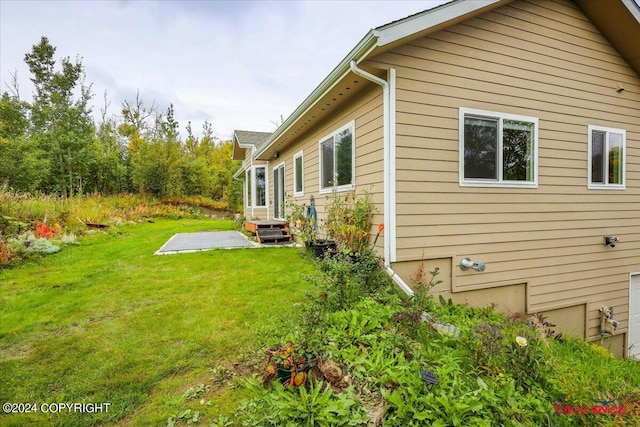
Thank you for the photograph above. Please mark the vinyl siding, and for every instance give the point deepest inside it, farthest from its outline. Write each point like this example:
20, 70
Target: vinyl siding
366, 110
538, 58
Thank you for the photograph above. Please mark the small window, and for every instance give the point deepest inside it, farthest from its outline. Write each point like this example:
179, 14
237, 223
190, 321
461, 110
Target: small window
337, 160
298, 174
606, 158
260, 186
498, 149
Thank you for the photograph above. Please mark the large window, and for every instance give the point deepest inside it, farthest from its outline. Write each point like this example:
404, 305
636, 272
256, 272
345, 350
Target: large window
337, 162
606, 158
498, 149
260, 175
298, 174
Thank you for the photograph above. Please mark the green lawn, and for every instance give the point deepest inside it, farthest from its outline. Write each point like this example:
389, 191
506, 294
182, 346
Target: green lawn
109, 322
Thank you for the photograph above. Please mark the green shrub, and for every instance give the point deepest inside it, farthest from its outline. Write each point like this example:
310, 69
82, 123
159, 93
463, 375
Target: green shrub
341, 281
349, 220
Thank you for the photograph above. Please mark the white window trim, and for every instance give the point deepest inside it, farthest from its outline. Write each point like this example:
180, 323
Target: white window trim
248, 180
275, 213
606, 186
347, 187
254, 181
499, 182
298, 155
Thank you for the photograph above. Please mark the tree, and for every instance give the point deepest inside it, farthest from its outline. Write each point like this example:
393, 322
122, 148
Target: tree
60, 118
109, 172
155, 163
21, 164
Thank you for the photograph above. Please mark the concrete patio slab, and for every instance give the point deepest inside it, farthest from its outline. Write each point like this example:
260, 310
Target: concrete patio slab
204, 241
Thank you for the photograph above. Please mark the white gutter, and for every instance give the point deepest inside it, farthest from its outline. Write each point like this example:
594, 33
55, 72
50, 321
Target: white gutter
362, 49
266, 187
389, 168
633, 7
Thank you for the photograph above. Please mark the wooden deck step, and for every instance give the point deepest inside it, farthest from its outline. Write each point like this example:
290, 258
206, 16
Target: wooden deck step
272, 235
269, 231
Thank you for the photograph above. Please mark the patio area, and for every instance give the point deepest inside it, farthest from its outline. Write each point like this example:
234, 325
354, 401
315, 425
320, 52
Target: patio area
205, 241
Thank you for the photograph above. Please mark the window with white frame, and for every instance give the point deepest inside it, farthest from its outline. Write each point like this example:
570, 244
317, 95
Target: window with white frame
260, 186
298, 174
606, 158
337, 160
498, 149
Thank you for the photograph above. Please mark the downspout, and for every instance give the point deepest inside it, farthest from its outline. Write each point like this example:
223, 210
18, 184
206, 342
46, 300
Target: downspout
266, 186
389, 134
253, 180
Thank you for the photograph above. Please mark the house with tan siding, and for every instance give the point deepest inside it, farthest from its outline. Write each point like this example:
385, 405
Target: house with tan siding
500, 141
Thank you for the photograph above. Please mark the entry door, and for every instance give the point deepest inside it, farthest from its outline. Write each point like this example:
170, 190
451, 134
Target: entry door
278, 192
634, 316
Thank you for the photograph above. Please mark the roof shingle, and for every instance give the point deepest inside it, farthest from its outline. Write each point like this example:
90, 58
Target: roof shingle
257, 139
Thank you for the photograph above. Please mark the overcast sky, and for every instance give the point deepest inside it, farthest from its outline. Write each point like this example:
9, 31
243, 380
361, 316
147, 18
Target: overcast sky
237, 64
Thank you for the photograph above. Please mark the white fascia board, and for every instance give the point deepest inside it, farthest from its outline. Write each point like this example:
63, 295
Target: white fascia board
633, 7
360, 51
374, 38
430, 18
239, 172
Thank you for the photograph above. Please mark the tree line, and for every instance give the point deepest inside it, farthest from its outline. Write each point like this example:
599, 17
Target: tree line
53, 145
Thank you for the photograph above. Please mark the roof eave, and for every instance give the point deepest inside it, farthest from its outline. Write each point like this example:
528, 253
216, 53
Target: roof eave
239, 154
360, 51
447, 12
619, 22
373, 41
239, 172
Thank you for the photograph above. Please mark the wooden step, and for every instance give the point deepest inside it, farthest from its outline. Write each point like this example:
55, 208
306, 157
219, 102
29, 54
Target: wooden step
273, 235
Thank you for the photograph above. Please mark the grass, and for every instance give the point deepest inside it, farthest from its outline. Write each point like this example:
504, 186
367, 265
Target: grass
107, 321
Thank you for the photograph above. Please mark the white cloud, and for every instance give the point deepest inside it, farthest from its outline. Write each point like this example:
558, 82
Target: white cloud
239, 65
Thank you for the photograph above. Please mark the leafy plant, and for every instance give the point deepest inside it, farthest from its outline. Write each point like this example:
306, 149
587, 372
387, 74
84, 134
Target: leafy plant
343, 280
5, 254
43, 230
540, 323
291, 368
528, 361
195, 391
415, 309
317, 406
349, 220
303, 225
221, 375
27, 244
189, 416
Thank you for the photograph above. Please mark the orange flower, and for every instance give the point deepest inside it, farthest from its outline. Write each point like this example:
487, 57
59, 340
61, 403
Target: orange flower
42, 230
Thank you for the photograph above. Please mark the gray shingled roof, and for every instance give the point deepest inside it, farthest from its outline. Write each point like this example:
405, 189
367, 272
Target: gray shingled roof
249, 137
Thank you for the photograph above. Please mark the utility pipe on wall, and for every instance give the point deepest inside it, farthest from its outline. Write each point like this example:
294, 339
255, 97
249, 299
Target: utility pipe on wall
388, 101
